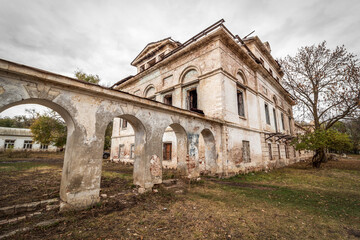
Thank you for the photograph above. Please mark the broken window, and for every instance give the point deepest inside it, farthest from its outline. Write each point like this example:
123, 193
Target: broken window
9, 143
270, 151
167, 151
275, 122
28, 144
267, 114
168, 99
192, 99
246, 151
124, 123
132, 151
240, 100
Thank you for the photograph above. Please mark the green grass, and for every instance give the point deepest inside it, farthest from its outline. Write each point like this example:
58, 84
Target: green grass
22, 166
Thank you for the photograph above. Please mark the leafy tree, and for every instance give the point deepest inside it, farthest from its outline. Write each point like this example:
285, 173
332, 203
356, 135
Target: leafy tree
79, 74
323, 139
326, 86
49, 128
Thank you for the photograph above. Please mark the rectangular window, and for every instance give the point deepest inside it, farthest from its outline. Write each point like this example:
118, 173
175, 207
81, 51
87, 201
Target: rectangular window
9, 143
192, 99
121, 150
279, 153
240, 100
132, 151
267, 114
44, 147
286, 151
270, 151
168, 99
167, 151
27, 144
290, 129
246, 151
124, 123
282, 121
275, 122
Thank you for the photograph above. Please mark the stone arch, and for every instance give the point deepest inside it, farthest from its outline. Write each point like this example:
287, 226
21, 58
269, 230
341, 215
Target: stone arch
149, 91
140, 144
210, 156
189, 74
240, 77
181, 146
46, 103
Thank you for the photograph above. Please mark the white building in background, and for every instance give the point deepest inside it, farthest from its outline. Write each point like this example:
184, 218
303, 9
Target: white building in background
21, 139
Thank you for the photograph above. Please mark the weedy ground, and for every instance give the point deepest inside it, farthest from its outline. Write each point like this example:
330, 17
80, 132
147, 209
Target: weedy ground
295, 202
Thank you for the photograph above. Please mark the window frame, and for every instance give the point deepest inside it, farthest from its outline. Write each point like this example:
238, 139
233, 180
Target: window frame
267, 113
242, 93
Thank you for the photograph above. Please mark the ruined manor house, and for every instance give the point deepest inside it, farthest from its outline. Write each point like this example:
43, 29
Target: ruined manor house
224, 77
211, 105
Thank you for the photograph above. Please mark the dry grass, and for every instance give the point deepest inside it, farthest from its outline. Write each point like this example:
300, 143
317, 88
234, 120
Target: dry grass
295, 202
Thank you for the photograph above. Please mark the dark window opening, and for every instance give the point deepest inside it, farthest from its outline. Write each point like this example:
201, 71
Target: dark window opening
282, 121
275, 122
240, 99
267, 114
270, 151
290, 129
168, 99
192, 99
271, 72
167, 151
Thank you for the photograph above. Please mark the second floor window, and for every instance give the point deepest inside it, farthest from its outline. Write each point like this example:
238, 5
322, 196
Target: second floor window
267, 116
240, 101
282, 121
192, 99
168, 99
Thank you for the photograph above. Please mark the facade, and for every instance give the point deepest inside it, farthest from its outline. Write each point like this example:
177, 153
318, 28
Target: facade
219, 75
21, 139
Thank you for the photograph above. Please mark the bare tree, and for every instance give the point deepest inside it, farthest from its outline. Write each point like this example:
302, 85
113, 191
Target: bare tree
326, 85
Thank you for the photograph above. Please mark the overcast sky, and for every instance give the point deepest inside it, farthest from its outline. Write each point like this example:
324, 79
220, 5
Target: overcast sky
103, 37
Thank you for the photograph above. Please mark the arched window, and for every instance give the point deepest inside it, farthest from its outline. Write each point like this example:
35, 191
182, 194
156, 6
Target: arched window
190, 75
150, 92
240, 76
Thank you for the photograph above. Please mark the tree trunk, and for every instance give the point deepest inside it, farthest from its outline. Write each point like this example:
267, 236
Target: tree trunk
319, 157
